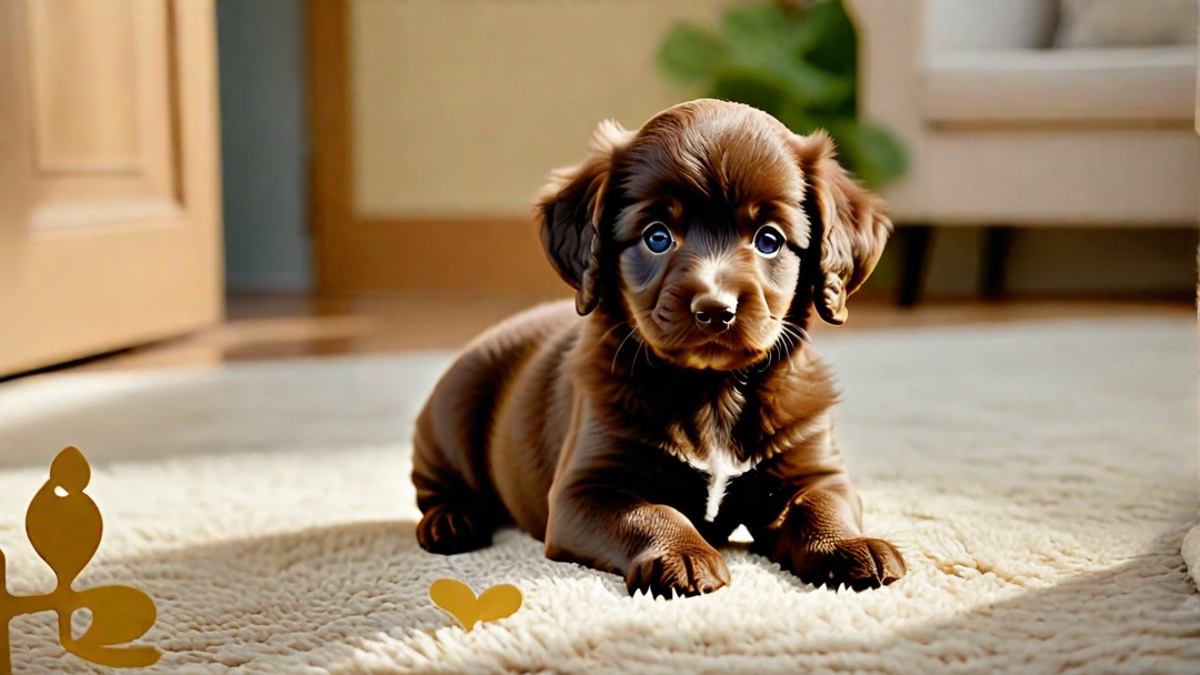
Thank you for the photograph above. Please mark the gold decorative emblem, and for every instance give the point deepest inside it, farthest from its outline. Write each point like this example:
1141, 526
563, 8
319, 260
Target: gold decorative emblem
64, 526
459, 600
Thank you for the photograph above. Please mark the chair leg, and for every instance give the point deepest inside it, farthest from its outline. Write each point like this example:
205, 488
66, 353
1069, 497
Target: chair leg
914, 252
997, 244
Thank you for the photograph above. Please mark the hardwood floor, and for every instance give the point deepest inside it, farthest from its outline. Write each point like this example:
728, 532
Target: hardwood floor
280, 326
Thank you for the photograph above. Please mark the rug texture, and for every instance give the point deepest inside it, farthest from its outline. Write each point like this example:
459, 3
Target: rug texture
1039, 478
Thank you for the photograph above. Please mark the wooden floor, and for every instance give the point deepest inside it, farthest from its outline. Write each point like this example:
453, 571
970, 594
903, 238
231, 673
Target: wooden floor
280, 326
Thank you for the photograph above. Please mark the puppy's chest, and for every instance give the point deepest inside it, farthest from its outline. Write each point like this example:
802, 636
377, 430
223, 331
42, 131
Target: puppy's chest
709, 445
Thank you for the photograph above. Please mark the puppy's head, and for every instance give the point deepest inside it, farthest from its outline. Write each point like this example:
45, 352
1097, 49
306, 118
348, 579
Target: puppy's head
710, 228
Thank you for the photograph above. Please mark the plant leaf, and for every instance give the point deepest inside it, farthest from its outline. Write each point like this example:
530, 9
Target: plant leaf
772, 27
816, 28
749, 86
750, 23
810, 86
690, 53
803, 121
837, 49
870, 151
798, 63
796, 81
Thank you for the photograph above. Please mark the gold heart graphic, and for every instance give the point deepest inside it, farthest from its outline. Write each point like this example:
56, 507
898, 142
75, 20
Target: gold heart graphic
459, 600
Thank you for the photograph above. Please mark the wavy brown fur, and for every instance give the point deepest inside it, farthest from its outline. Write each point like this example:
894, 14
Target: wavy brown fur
623, 434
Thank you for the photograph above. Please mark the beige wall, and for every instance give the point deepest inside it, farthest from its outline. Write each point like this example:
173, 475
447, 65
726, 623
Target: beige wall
462, 107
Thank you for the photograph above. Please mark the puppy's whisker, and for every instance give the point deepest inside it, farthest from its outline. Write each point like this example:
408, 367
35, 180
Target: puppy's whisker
650, 357
611, 330
782, 342
800, 332
632, 333
795, 340
633, 363
797, 334
770, 358
803, 337
792, 337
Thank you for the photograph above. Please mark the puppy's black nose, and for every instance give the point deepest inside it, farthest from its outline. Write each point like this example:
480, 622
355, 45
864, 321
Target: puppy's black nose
713, 316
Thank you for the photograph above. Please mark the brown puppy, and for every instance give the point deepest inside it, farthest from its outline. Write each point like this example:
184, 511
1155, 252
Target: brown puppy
685, 402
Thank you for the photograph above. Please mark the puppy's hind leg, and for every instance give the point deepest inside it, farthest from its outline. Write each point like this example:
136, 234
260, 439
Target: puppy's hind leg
456, 518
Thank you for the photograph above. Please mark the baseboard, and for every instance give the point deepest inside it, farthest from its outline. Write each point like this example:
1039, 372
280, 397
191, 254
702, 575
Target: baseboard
492, 257
268, 281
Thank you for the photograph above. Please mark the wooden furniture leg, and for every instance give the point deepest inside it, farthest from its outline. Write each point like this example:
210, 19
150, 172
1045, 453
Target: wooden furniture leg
914, 243
997, 244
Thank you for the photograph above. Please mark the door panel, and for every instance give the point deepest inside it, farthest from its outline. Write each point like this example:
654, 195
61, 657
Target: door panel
76, 70
101, 97
109, 213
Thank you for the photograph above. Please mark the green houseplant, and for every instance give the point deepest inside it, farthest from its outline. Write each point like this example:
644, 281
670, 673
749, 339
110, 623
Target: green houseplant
796, 60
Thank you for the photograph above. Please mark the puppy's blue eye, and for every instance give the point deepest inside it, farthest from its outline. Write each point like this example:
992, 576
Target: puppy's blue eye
768, 240
658, 238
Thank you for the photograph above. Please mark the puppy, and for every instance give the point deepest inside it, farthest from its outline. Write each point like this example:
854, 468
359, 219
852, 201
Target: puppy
685, 401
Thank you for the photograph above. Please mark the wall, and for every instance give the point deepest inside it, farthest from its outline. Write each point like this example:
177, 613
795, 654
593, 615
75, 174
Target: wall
460, 109
263, 144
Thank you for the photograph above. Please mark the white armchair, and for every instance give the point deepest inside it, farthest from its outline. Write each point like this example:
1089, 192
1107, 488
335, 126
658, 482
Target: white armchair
1004, 131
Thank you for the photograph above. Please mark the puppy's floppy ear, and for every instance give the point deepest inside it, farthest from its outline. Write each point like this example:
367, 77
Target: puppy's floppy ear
569, 210
849, 227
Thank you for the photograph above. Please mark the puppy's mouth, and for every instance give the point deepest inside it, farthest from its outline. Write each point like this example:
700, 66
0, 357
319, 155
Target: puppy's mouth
716, 356
712, 352
675, 341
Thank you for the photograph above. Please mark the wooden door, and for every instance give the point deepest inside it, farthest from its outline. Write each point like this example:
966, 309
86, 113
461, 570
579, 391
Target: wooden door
109, 193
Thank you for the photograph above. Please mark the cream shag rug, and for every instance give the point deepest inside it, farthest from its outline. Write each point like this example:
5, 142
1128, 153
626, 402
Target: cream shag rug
1040, 479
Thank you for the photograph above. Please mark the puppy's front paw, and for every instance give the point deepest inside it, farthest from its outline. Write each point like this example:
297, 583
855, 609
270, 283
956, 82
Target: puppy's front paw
858, 563
688, 572
448, 530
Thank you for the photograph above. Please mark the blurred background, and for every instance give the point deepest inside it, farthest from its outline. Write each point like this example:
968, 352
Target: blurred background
213, 180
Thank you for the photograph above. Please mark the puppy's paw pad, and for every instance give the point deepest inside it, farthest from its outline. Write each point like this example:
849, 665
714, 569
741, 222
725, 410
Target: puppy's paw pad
687, 573
861, 564
447, 530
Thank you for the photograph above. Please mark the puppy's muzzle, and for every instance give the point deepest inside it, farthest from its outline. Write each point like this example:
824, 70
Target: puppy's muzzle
712, 314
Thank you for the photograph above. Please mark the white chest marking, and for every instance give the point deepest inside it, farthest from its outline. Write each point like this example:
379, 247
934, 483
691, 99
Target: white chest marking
720, 467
